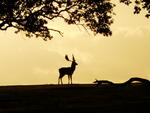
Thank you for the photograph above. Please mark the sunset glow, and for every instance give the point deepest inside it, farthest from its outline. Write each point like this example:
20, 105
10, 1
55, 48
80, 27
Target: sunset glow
117, 58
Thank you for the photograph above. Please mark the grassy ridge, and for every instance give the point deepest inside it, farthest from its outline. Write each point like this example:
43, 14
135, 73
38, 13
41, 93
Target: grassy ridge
74, 98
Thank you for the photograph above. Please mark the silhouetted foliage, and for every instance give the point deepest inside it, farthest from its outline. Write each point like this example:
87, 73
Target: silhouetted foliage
137, 79
32, 16
139, 5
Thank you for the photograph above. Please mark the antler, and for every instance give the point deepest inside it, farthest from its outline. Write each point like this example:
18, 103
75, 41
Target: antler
73, 58
66, 57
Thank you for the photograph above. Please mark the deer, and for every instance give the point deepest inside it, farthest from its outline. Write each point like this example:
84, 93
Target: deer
67, 70
101, 82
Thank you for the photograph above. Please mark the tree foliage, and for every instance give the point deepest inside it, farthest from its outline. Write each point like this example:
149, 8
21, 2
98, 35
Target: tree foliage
139, 5
32, 16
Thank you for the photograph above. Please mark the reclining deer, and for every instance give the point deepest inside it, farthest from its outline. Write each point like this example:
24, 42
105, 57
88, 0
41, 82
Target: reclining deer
67, 70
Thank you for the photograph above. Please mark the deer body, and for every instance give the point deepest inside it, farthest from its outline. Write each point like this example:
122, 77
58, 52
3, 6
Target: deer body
67, 71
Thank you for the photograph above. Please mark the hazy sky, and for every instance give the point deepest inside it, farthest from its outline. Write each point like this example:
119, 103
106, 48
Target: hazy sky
117, 58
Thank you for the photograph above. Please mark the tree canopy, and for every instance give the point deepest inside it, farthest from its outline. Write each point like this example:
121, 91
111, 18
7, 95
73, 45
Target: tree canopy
139, 5
32, 16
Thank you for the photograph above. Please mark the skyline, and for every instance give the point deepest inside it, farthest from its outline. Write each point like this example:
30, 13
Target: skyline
117, 58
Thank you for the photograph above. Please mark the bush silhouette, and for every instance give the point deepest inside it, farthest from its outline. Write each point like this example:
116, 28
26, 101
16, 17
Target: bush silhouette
137, 79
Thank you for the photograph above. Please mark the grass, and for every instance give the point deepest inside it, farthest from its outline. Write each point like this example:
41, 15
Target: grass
75, 98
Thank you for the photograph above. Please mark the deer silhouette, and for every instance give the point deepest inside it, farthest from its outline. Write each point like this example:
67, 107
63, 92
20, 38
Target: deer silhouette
67, 70
101, 82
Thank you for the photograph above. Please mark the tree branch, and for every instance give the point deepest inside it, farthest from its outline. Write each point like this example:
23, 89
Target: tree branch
61, 33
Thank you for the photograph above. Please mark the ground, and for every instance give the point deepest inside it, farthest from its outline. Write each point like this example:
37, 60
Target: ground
75, 98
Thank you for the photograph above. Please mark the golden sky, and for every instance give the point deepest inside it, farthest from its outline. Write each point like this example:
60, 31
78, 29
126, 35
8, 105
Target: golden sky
117, 58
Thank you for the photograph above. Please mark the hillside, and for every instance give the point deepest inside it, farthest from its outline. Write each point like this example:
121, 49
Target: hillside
75, 98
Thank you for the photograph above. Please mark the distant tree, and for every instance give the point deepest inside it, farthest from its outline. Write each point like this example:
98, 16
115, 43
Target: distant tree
32, 16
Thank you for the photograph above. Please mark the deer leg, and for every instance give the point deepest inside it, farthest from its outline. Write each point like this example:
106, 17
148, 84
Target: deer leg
58, 80
68, 79
61, 81
71, 79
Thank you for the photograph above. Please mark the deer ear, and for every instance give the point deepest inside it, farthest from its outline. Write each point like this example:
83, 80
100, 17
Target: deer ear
66, 57
73, 58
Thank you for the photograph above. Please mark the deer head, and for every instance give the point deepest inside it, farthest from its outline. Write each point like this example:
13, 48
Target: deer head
73, 59
96, 81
